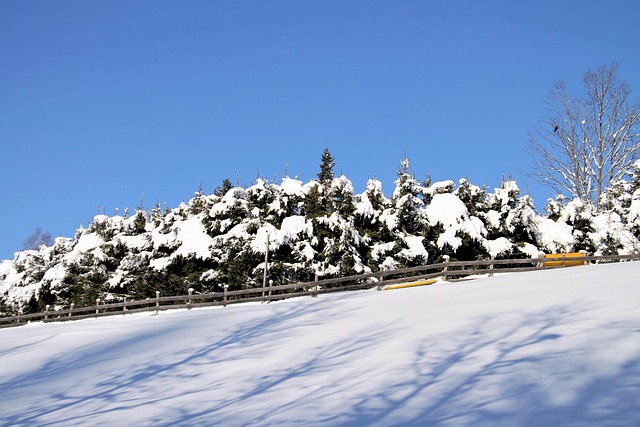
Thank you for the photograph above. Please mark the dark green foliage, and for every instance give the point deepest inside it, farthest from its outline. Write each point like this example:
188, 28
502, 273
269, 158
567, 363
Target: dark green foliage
472, 197
5, 309
114, 252
157, 215
325, 176
343, 200
198, 203
514, 253
139, 223
313, 206
555, 207
470, 250
102, 228
47, 298
609, 245
32, 306
223, 188
83, 284
239, 271
407, 201
582, 226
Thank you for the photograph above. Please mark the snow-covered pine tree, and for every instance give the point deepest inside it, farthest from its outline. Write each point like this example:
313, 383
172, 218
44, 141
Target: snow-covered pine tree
369, 208
406, 200
312, 206
578, 216
342, 195
632, 215
198, 203
473, 197
157, 216
325, 176
224, 188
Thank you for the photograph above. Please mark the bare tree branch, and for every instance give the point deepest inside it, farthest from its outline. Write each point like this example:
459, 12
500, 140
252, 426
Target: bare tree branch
584, 144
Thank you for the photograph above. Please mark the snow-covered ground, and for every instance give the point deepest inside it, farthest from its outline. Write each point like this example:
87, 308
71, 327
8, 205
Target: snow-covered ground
544, 348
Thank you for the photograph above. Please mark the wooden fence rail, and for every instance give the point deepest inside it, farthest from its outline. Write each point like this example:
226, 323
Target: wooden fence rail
449, 270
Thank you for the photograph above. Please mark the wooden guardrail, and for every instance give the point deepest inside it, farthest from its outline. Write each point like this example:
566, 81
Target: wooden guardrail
450, 270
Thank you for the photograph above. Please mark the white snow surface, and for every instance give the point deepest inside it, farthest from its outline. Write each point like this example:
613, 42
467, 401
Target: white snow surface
292, 186
557, 347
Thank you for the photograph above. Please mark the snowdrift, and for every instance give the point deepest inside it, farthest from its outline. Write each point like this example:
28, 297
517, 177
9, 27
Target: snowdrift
557, 347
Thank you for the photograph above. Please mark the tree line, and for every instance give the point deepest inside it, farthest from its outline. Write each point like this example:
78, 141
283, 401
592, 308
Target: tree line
586, 147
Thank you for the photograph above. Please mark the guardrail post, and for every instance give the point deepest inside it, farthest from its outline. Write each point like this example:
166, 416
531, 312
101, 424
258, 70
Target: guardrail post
97, 306
71, 309
224, 295
157, 301
46, 311
189, 300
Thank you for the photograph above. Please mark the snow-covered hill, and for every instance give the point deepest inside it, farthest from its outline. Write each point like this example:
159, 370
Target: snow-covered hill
544, 348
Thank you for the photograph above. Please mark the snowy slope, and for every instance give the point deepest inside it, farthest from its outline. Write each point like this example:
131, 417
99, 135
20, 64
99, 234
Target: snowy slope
543, 348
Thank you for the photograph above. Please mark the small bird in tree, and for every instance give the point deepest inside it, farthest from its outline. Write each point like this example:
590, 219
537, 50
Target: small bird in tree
555, 129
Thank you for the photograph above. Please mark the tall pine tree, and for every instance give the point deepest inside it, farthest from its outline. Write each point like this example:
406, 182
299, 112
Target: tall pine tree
325, 176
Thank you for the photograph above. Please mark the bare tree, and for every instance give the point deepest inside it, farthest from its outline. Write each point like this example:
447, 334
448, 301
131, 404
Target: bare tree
37, 239
583, 144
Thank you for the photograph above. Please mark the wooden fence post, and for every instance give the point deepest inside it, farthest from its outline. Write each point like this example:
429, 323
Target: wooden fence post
71, 309
585, 254
491, 266
124, 304
224, 296
157, 301
270, 285
46, 311
446, 267
97, 306
314, 292
190, 290
266, 267
380, 284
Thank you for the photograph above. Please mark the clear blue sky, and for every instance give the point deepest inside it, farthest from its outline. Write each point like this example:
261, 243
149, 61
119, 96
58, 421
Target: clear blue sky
102, 102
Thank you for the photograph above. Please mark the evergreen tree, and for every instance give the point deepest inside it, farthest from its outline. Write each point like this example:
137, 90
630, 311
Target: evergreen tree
555, 208
312, 207
632, 214
473, 197
325, 176
157, 215
139, 223
407, 201
578, 215
368, 211
342, 194
224, 188
198, 203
